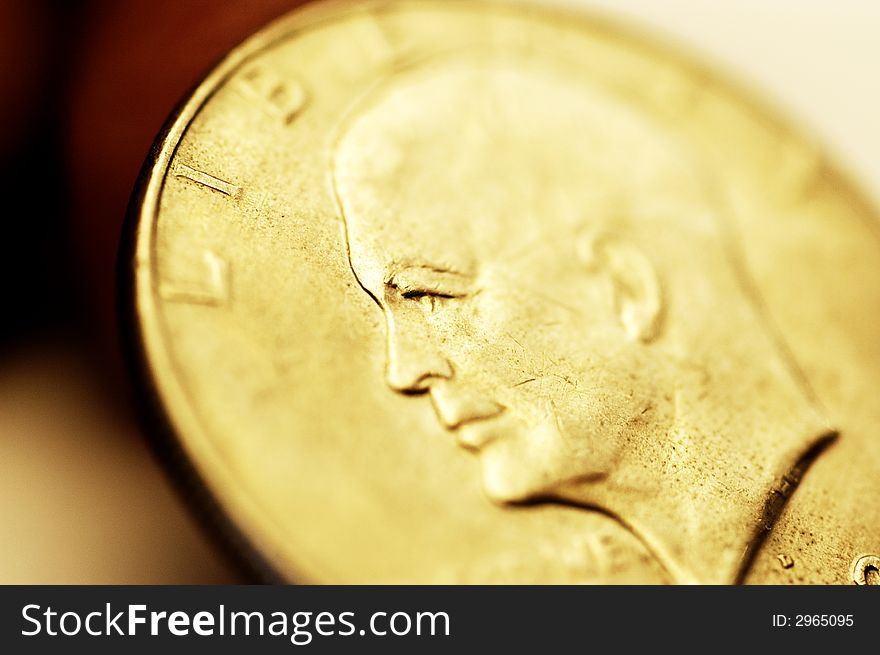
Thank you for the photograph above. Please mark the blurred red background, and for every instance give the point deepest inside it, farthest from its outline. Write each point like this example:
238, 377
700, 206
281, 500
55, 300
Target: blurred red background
86, 87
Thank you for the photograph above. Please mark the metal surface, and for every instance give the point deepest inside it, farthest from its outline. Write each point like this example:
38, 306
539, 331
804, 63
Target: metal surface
484, 292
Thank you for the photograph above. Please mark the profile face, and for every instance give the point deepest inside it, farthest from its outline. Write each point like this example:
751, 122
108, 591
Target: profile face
477, 227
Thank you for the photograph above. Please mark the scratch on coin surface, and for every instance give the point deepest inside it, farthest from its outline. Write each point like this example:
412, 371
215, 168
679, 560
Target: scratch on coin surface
204, 179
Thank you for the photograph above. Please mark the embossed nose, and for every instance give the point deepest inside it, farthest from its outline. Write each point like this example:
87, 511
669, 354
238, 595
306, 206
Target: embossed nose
411, 365
414, 376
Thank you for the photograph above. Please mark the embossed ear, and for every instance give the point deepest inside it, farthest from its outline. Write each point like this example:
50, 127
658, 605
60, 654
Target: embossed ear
638, 298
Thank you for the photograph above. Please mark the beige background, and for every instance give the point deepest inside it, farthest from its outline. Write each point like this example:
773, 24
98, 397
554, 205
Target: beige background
815, 59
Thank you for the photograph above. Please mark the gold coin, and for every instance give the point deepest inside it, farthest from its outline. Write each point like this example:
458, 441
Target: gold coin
451, 292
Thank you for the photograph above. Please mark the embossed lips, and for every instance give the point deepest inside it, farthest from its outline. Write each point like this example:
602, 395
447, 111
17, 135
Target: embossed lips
479, 433
464, 412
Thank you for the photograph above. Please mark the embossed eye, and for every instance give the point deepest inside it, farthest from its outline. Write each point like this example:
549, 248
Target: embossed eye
429, 285
430, 300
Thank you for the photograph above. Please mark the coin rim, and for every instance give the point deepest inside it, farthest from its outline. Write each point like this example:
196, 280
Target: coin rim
138, 308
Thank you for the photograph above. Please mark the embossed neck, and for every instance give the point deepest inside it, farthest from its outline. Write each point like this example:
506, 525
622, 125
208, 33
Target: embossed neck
707, 526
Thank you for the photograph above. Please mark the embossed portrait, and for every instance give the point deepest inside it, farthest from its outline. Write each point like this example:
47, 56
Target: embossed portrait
560, 280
